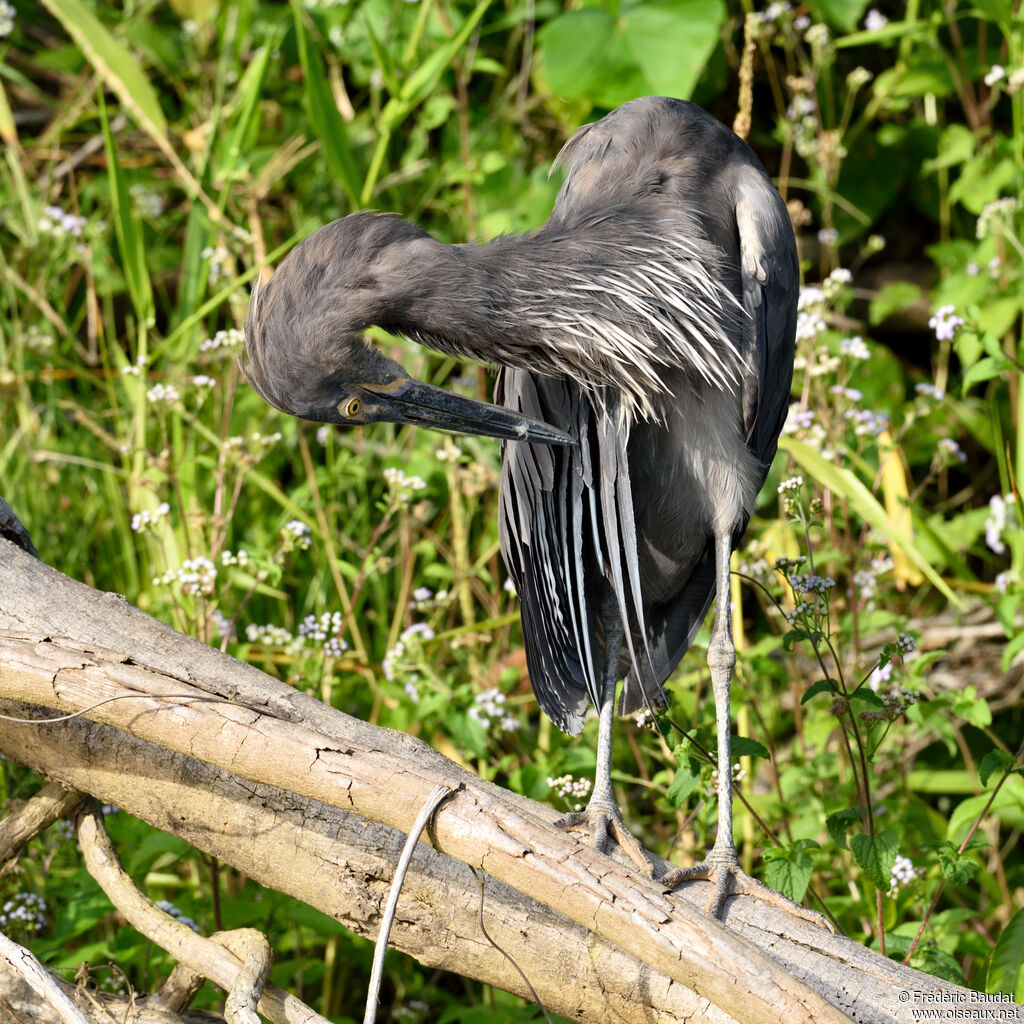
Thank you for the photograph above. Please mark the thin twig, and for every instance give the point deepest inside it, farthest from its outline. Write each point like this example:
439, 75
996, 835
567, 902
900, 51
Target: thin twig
437, 794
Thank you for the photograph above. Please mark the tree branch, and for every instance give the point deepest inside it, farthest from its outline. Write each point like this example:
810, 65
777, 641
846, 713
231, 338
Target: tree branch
266, 768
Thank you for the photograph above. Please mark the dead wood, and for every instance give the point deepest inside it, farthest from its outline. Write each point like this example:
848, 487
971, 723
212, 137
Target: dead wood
244, 767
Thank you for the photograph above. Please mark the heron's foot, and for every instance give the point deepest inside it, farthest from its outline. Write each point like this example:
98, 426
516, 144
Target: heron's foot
603, 820
728, 878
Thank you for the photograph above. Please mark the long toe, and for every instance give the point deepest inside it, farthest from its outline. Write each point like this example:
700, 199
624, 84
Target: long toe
603, 822
730, 879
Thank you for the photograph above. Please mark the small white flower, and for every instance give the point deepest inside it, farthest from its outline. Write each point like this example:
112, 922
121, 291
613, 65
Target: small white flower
999, 509
879, 675
232, 338
995, 74
855, 348
903, 873
948, 447
143, 520
930, 391
875, 20
7, 13
163, 393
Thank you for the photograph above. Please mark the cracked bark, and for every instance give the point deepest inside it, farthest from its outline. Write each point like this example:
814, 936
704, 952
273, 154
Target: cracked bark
267, 769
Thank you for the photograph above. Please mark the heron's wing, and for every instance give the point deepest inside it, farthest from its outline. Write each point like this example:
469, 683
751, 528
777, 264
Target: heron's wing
546, 525
770, 276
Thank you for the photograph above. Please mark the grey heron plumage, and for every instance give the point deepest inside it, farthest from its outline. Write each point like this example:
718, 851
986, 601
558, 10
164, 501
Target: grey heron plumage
645, 338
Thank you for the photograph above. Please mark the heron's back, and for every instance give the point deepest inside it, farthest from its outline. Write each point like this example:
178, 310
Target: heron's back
631, 509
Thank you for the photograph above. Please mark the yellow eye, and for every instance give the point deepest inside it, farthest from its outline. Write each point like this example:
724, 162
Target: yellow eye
353, 407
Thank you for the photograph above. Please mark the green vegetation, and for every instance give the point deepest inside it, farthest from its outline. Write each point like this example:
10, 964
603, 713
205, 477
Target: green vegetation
155, 156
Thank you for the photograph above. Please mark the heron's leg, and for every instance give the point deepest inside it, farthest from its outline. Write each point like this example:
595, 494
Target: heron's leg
601, 817
722, 865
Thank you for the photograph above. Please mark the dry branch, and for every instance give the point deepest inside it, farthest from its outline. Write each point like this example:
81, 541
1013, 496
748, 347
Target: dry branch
261, 768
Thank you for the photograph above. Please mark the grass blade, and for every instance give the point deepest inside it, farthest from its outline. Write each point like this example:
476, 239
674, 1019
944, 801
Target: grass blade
127, 228
328, 124
116, 65
841, 481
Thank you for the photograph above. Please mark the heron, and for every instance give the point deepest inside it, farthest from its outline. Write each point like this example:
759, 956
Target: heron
644, 339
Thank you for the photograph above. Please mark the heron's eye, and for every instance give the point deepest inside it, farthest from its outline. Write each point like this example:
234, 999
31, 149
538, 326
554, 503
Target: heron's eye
352, 407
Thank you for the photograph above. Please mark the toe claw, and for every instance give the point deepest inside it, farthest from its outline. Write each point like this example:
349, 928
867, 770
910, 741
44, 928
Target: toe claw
604, 823
729, 879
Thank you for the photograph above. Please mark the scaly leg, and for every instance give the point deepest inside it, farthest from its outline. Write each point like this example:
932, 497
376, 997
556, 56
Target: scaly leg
601, 817
722, 865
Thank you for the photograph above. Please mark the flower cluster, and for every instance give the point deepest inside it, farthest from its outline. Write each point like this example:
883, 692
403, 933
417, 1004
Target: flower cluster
143, 520
7, 13
903, 873
295, 534
196, 576
325, 631
945, 323
239, 557
950, 451
1000, 516
231, 339
169, 908
55, 221
24, 911
163, 393
738, 774
867, 422
402, 486
268, 635
489, 710
568, 787
866, 580
996, 217
410, 636
148, 203
424, 599
221, 264
855, 348
448, 452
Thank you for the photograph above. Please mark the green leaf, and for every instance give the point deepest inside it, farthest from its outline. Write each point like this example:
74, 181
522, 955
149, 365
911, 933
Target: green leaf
328, 124
1006, 964
1008, 807
647, 49
956, 144
821, 686
842, 14
117, 66
744, 746
876, 855
127, 228
684, 782
956, 869
789, 869
972, 708
983, 370
419, 84
841, 481
839, 823
994, 761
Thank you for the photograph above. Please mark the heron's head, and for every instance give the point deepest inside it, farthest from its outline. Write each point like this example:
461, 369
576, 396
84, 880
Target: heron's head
305, 350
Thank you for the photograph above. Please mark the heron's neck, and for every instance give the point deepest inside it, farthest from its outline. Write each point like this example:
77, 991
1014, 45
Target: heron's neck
580, 302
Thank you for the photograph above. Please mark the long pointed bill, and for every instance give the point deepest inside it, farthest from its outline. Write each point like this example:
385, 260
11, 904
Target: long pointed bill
412, 401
